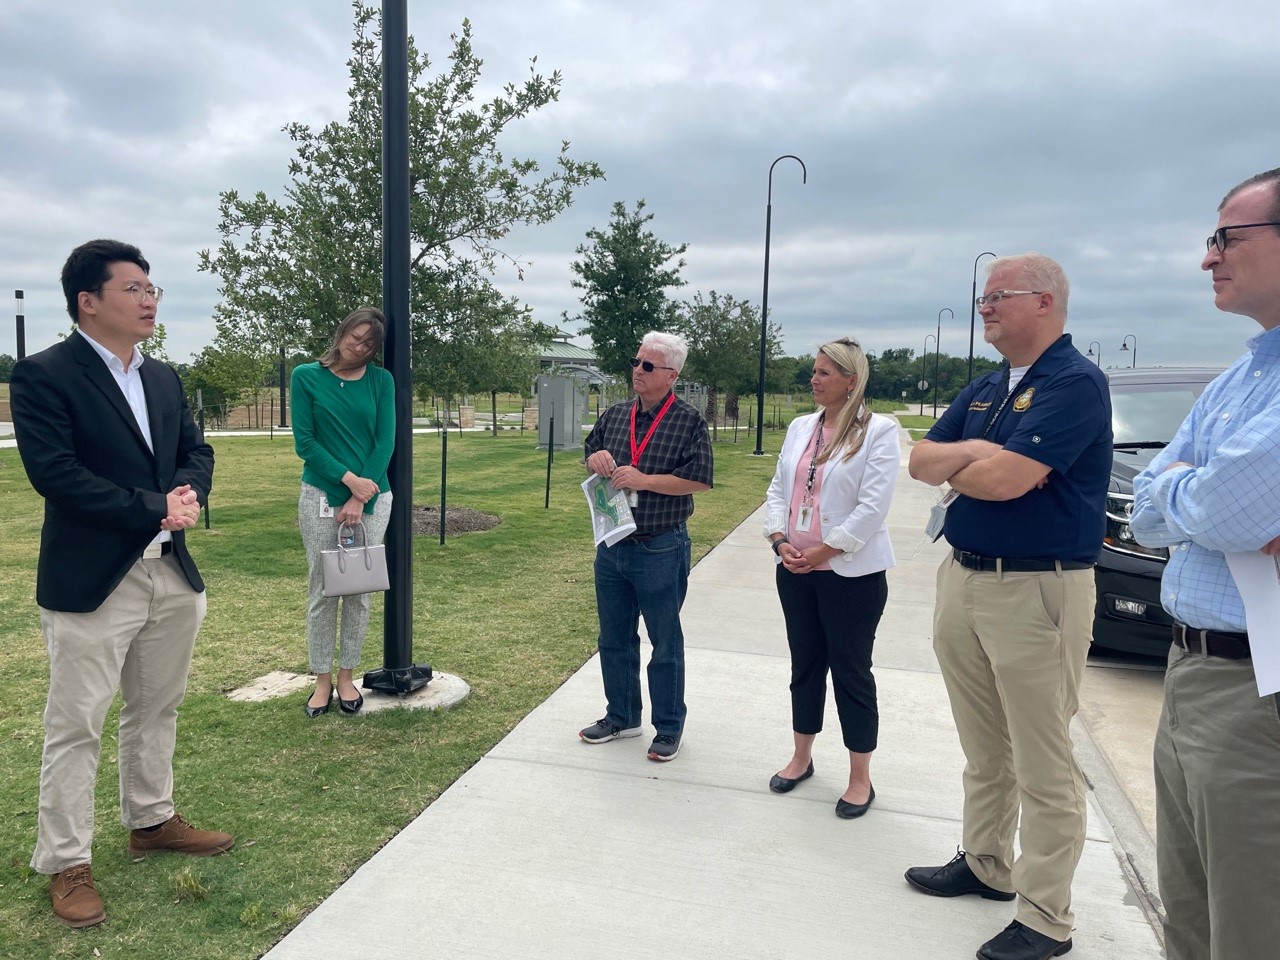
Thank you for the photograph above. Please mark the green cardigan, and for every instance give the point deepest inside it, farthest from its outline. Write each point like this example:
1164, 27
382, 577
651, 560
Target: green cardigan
341, 425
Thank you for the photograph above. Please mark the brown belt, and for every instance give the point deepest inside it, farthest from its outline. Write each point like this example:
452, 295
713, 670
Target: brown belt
1211, 643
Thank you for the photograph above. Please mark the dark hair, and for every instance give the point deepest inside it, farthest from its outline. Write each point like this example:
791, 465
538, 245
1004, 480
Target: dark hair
89, 267
377, 332
1267, 176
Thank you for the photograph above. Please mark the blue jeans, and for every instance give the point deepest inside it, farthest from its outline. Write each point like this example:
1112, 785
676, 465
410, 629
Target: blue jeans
649, 579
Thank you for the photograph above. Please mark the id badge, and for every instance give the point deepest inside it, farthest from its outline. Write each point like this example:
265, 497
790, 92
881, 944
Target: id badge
938, 516
325, 509
805, 518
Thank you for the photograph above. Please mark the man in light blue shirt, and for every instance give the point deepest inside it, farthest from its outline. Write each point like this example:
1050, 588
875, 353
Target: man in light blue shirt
1216, 490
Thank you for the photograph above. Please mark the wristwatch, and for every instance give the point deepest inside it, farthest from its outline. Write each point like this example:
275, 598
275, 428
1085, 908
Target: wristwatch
778, 543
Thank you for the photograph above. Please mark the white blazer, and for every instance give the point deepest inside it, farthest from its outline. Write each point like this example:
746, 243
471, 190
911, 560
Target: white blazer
854, 499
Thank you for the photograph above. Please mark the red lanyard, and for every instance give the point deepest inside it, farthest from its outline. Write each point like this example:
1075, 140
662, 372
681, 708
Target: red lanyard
638, 451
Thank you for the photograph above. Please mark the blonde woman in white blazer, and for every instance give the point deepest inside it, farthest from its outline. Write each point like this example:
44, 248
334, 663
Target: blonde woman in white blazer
826, 510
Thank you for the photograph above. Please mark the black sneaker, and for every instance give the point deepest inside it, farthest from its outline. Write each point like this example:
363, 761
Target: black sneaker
602, 731
664, 748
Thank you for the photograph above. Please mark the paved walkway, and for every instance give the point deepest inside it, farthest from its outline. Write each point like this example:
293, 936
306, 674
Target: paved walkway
549, 848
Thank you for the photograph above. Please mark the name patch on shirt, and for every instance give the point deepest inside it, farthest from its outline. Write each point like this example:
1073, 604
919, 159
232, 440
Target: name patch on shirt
1023, 401
979, 406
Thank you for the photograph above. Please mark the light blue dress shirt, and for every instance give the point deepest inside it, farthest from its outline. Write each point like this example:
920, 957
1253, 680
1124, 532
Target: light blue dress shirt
1228, 501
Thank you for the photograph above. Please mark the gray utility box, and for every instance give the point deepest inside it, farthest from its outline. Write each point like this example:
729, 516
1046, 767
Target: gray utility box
560, 398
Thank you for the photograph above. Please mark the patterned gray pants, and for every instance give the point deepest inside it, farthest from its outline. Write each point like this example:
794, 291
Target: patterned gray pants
321, 533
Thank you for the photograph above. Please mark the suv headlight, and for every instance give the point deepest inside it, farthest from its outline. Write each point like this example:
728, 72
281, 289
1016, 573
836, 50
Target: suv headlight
1119, 536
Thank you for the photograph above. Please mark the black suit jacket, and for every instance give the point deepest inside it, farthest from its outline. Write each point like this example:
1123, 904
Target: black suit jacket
104, 491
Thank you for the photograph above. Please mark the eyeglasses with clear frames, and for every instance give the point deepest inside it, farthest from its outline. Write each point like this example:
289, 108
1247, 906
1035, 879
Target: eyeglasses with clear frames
995, 296
1219, 238
139, 293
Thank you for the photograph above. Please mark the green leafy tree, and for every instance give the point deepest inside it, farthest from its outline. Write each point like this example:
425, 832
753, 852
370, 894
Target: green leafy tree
6, 367
724, 346
290, 268
624, 274
153, 346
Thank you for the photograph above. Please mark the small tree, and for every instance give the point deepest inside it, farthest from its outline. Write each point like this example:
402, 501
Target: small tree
624, 274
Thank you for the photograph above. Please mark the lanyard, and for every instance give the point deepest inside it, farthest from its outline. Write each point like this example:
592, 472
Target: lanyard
638, 451
991, 420
813, 461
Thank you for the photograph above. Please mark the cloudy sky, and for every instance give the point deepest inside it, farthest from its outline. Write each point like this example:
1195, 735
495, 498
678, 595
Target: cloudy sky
1100, 132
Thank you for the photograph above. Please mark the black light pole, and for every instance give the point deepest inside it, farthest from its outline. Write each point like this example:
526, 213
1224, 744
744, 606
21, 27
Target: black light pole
924, 358
764, 304
1124, 348
399, 674
937, 350
1098, 355
973, 308
22, 326
284, 420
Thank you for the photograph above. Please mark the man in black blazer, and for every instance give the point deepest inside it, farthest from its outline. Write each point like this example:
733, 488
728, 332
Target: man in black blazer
108, 440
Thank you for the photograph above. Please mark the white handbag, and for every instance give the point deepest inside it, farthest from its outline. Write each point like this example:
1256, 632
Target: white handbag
355, 569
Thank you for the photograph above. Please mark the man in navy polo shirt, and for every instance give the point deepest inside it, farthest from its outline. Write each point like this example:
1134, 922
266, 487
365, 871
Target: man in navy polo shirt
1027, 450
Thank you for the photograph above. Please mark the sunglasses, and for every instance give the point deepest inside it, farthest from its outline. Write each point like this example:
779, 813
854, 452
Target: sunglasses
647, 366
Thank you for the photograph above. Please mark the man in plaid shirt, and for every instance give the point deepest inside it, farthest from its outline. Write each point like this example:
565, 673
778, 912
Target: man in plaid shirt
657, 448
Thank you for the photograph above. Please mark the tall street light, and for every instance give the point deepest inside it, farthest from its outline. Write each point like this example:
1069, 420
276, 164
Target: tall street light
924, 358
973, 308
1124, 348
22, 325
764, 304
1097, 356
937, 341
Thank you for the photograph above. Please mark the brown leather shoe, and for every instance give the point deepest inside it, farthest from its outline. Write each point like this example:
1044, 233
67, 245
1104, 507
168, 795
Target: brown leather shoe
75, 899
175, 835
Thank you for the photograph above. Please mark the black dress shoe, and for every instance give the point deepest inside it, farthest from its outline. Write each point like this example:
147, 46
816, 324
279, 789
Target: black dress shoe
779, 784
314, 712
848, 811
953, 879
351, 706
1020, 942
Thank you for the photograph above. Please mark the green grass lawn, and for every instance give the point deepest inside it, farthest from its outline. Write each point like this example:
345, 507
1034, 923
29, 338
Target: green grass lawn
917, 426
510, 610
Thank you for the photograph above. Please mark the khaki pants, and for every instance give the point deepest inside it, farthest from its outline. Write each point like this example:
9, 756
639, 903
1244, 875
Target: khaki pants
1012, 648
138, 642
1217, 758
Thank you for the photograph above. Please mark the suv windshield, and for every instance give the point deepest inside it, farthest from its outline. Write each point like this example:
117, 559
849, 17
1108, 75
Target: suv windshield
1150, 413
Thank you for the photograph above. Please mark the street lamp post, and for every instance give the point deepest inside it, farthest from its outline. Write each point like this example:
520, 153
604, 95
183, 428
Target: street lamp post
937, 350
1124, 348
1097, 356
924, 358
21, 325
764, 301
973, 308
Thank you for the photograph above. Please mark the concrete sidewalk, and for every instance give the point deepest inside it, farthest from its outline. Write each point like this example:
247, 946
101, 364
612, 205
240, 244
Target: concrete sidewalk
550, 848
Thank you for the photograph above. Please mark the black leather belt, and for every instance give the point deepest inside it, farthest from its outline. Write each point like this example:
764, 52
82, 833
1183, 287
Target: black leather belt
1211, 643
646, 537
1013, 565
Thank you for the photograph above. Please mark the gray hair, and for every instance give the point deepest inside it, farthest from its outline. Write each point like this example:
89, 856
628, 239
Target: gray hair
1039, 273
672, 347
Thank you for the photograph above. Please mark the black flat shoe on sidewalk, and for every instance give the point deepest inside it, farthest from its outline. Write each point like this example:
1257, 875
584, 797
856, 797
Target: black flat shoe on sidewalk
781, 784
850, 811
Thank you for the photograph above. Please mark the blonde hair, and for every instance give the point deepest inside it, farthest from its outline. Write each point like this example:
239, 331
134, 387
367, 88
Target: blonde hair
851, 422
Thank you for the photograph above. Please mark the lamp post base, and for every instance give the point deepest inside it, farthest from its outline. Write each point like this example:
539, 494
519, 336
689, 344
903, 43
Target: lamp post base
398, 681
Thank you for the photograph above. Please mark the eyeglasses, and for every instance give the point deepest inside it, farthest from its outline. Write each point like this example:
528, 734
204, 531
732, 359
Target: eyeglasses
995, 296
646, 365
1219, 238
138, 293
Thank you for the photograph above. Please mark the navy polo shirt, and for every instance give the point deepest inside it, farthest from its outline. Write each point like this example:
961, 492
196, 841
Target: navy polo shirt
1060, 416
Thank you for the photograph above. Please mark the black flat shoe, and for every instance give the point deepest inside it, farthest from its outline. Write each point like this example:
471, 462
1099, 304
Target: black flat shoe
314, 712
351, 706
848, 811
780, 784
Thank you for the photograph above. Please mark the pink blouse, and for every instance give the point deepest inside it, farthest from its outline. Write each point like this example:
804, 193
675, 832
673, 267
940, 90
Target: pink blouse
802, 540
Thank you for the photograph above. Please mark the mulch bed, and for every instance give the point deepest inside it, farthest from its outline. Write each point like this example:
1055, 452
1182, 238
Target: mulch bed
426, 521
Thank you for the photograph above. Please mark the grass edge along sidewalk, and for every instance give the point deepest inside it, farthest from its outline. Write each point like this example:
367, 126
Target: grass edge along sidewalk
511, 610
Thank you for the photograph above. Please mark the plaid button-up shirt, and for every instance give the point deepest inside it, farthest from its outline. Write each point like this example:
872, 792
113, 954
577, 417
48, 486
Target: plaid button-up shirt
680, 447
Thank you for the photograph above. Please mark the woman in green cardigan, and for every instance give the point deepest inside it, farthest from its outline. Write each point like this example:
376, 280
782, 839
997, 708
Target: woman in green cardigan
344, 430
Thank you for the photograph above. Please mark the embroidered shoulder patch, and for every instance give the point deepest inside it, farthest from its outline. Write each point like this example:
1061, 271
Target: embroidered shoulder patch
1023, 400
